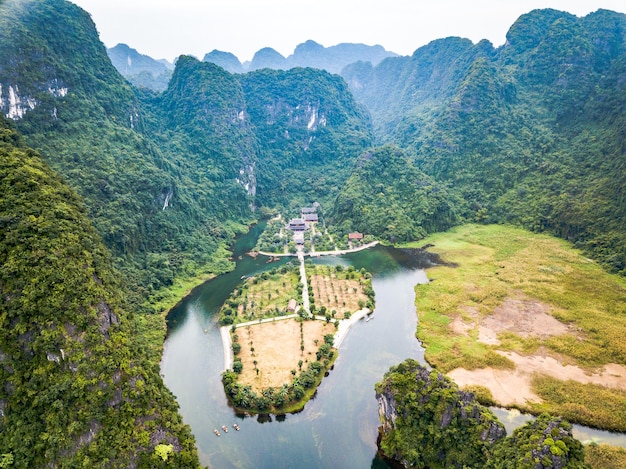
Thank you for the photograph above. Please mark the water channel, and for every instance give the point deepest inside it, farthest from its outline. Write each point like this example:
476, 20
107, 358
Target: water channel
339, 427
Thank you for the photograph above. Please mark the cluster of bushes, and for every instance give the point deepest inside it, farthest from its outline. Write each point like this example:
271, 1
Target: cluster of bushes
271, 239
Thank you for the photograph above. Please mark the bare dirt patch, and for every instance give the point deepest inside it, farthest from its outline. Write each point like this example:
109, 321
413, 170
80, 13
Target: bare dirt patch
277, 351
522, 316
507, 387
526, 318
513, 386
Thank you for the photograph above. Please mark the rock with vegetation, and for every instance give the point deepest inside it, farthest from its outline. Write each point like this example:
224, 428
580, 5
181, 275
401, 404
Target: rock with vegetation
428, 422
309, 129
78, 388
544, 443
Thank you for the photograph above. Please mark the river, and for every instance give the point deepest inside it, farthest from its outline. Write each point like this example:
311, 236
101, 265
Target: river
339, 427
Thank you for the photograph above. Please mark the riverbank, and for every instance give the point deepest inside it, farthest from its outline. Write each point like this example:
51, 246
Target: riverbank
529, 319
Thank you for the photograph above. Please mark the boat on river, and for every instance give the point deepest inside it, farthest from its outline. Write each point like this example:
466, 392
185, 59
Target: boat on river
235, 426
215, 430
225, 428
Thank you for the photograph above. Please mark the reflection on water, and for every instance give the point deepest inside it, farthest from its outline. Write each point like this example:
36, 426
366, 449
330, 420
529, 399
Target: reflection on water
513, 419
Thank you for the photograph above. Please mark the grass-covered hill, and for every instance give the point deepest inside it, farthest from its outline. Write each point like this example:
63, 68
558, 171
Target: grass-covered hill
77, 386
531, 132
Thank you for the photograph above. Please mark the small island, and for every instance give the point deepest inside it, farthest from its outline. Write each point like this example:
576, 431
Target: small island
282, 328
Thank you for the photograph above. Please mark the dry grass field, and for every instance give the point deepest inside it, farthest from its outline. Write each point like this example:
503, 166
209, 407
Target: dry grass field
275, 346
530, 319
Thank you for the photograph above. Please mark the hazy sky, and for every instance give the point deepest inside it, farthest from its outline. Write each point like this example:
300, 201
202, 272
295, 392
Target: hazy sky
168, 28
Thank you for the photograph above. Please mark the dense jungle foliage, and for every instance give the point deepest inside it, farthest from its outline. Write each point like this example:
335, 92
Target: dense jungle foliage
170, 179
530, 133
77, 389
150, 205
387, 195
429, 422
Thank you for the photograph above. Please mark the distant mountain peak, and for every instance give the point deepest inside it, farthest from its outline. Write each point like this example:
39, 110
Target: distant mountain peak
226, 60
307, 54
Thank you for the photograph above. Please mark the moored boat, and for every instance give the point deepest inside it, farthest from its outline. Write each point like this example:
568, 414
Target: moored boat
216, 432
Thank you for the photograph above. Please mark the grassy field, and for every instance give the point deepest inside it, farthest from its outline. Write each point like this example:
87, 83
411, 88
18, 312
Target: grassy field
605, 457
507, 283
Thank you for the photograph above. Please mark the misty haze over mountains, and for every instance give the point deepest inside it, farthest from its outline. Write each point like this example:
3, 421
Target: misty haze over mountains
144, 71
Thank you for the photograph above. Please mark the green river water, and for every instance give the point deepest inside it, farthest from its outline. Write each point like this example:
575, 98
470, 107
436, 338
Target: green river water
339, 427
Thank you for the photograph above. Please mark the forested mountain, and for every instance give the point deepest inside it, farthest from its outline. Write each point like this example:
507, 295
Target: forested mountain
268, 58
387, 195
530, 133
141, 70
148, 204
226, 60
309, 130
167, 180
77, 386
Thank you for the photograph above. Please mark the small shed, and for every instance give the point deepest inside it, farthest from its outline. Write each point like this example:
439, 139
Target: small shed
306, 210
311, 217
355, 236
292, 305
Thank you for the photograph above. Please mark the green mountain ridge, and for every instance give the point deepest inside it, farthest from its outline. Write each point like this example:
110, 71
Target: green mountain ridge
77, 387
151, 188
524, 133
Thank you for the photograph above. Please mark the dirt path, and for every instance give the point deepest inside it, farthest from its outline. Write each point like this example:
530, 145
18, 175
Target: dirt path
337, 252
